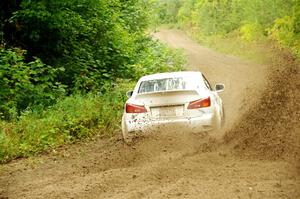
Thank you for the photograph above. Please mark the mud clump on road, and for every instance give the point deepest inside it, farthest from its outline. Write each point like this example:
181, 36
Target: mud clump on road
270, 130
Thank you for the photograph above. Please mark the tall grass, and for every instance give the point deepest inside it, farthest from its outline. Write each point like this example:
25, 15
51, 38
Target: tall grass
72, 118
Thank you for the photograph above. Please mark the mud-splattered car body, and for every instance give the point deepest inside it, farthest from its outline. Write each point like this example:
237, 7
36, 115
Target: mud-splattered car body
178, 100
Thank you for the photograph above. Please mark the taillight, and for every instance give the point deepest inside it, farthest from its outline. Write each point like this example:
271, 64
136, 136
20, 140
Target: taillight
199, 103
131, 108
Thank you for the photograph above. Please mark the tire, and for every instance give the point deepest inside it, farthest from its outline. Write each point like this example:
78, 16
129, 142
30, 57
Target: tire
125, 136
224, 117
217, 121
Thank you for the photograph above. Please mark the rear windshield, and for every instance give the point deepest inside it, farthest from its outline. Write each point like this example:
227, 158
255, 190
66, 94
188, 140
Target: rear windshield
167, 84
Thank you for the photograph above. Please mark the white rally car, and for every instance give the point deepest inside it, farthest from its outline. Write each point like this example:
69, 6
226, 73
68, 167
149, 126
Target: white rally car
177, 99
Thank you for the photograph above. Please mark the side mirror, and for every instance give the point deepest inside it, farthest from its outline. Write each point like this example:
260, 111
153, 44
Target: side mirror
219, 87
129, 94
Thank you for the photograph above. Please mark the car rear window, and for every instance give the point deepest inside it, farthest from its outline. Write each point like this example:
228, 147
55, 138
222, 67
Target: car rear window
166, 84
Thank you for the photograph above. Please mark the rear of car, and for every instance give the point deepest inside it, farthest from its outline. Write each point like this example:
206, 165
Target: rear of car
176, 100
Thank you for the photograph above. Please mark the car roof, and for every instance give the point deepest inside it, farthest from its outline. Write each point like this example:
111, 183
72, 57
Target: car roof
171, 75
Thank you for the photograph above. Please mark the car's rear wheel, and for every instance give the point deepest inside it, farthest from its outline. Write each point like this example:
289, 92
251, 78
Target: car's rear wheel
217, 121
223, 117
125, 136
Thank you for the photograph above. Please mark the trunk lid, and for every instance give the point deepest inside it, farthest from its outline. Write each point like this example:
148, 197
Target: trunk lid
167, 98
168, 104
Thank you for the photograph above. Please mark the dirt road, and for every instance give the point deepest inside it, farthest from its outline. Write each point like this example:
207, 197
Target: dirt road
166, 165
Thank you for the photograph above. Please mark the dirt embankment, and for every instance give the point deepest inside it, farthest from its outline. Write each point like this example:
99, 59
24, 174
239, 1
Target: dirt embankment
271, 128
261, 131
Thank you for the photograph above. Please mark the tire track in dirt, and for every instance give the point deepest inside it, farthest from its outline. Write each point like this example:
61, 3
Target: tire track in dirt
171, 164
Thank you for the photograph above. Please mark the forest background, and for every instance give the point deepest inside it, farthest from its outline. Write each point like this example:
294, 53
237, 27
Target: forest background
210, 21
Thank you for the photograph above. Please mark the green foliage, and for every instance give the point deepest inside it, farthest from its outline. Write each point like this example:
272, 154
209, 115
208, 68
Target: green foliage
25, 84
186, 15
224, 16
250, 32
94, 41
156, 57
283, 30
72, 118
166, 11
286, 30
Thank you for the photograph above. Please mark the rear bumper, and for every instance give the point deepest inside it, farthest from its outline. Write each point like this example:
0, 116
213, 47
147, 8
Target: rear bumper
191, 124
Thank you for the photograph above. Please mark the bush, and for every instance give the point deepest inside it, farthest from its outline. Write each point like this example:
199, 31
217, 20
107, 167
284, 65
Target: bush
250, 32
167, 11
284, 32
25, 84
75, 117
156, 57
